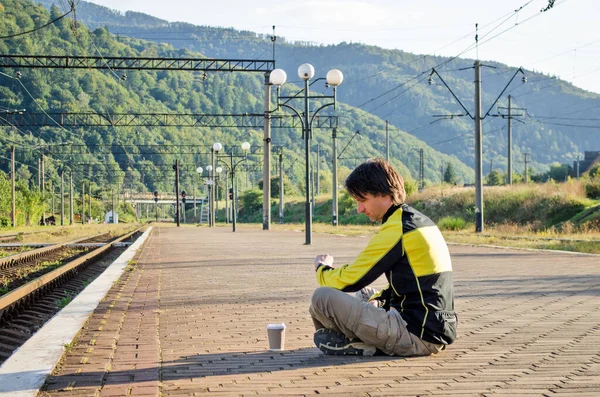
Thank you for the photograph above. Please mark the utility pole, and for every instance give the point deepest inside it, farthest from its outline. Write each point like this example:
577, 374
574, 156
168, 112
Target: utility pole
421, 170
526, 171
43, 190
478, 152
477, 118
334, 220
62, 196
510, 116
280, 186
70, 197
90, 200
387, 141
267, 157
83, 202
509, 140
182, 210
441, 174
211, 189
577, 168
176, 168
155, 209
217, 194
318, 168
312, 194
226, 196
13, 212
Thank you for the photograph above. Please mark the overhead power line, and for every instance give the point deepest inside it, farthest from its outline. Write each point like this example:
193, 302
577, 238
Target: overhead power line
40, 27
594, 127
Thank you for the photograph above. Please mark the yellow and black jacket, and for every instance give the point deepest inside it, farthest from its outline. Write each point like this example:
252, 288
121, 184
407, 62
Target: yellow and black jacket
411, 252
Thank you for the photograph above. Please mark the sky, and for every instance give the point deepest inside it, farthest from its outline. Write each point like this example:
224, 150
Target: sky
563, 41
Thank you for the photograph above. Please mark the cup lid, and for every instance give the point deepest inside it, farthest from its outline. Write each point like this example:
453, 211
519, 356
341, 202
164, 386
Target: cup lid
276, 326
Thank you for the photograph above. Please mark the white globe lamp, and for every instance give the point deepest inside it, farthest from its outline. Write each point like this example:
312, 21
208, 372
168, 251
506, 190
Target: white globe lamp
306, 71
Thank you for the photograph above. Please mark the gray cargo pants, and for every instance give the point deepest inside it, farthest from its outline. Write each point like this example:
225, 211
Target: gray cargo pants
354, 317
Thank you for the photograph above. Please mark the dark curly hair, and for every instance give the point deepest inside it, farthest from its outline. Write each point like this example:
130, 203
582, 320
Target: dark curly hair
377, 177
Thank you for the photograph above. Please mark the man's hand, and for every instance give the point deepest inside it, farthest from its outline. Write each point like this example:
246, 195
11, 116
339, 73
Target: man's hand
323, 260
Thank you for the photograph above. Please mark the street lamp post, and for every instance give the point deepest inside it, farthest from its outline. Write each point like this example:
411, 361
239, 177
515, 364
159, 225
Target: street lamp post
218, 171
231, 167
334, 218
281, 186
177, 213
216, 148
199, 170
306, 72
209, 182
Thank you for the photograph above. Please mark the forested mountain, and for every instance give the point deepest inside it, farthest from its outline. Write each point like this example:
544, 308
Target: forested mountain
141, 158
410, 101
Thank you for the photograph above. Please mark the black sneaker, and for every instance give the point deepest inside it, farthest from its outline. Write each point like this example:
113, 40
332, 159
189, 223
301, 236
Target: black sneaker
336, 344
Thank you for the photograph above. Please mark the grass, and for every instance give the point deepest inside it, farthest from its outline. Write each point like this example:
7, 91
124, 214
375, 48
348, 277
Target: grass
64, 301
540, 206
4, 285
452, 223
5, 253
59, 234
506, 236
534, 241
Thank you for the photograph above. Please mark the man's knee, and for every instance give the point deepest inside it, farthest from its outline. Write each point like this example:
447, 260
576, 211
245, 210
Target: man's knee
322, 295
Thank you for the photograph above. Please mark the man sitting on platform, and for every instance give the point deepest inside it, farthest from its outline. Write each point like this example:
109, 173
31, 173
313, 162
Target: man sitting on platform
414, 315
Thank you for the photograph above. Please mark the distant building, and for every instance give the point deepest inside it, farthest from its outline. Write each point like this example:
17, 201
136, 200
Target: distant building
589, 159
108, 218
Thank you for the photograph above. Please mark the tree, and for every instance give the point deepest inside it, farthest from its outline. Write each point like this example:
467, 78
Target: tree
450, 175
494, 178
23, 174
30, 201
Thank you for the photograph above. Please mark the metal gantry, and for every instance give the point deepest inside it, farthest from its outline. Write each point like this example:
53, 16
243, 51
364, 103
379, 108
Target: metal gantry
136, 63
196, 120
155, 63
186, 120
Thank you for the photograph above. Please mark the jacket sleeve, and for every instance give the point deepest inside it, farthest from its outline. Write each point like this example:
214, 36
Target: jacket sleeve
383, 297
383, 250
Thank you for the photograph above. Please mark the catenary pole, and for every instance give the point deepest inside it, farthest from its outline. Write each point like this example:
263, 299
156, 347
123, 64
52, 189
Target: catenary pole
13, 212
267, 156
478, 152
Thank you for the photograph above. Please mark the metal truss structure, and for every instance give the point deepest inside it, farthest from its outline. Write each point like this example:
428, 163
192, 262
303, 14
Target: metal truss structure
90, 119
253, 167
147, 150
135, 63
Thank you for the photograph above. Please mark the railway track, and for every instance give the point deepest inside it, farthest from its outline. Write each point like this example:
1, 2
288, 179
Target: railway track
12, 238
27, 302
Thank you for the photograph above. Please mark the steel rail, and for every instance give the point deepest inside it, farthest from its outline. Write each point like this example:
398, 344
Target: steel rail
23, 291
22, 257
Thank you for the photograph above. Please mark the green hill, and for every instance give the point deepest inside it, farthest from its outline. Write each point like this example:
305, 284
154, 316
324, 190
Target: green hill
410, 104
111, 156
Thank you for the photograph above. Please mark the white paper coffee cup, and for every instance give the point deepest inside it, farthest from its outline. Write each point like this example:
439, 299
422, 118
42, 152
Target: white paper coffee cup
276, 335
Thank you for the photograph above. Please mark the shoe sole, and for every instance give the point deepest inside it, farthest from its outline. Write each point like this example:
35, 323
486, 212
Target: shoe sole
347, 350
343, 348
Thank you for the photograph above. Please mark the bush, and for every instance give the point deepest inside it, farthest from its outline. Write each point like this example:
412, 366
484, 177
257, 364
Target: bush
452, 223
592, 189
251, 206
346, 204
